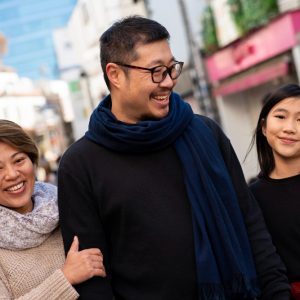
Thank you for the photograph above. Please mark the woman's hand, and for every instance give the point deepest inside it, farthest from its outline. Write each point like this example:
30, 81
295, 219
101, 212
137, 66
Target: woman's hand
83, 265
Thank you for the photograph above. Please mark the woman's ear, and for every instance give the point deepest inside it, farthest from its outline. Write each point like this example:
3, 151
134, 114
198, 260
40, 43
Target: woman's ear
113, 72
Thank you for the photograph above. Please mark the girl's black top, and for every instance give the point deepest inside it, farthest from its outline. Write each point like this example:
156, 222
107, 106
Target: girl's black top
279, 200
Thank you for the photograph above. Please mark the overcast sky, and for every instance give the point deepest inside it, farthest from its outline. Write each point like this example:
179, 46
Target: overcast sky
167, 12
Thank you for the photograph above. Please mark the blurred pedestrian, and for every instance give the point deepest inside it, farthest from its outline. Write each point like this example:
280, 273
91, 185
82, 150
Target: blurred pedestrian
277, 190
32, 260
159, 189
45, 172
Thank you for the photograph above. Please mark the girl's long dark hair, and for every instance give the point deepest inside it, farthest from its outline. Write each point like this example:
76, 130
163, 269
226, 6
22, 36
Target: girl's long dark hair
264, 151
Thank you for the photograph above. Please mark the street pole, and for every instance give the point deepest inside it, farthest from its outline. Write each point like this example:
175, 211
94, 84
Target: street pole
200, 87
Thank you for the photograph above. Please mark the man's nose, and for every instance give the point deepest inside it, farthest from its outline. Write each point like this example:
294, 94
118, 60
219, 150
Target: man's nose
168, 82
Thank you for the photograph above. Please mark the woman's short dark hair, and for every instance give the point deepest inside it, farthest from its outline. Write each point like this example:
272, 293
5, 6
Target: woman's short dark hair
13, 135
117, 43
264, 150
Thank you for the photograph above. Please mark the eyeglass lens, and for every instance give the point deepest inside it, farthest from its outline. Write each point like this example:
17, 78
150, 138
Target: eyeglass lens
160, 73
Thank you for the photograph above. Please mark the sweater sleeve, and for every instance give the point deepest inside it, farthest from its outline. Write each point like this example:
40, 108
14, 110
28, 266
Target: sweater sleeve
79, 215
270, 269
55, 287
4, 294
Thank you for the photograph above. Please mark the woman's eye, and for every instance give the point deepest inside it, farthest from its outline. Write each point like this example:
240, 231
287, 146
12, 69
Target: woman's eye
19, 160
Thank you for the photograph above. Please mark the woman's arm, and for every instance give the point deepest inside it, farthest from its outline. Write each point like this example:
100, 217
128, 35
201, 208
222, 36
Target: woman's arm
4, 294
78, 267
55, 287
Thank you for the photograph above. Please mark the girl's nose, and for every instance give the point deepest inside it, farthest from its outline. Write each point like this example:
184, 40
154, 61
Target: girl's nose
290, 127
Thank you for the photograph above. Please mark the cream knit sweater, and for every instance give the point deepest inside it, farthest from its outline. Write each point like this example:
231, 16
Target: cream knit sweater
34, 274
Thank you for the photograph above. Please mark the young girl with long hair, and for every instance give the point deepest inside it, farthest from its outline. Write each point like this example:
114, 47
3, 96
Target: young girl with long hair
277, 188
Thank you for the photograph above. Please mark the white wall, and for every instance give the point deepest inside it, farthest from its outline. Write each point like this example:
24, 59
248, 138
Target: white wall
22, 109
285, 5
239, 113
226, 29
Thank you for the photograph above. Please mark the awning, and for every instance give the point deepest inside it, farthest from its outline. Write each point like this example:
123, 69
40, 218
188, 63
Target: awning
252, 78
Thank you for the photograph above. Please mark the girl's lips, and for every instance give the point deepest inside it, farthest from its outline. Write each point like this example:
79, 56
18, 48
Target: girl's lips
288, 140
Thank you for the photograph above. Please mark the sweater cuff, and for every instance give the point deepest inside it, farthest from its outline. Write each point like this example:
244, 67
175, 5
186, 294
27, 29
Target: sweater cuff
55, 285
62, 287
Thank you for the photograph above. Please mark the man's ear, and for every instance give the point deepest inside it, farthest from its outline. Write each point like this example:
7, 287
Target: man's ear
114, 74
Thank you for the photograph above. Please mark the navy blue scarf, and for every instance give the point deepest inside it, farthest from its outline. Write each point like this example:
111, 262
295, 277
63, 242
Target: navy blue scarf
224, 262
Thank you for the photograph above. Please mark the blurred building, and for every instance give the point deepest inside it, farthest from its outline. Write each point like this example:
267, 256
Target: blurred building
247, 65
78, 56
28, 27
37, 112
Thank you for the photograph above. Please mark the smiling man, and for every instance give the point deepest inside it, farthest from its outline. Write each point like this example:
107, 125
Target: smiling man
159, 189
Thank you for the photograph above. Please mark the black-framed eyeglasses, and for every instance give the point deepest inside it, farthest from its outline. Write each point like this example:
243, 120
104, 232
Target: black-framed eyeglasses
159, 73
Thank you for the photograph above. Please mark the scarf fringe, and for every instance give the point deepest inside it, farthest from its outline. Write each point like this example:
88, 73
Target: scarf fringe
239, 288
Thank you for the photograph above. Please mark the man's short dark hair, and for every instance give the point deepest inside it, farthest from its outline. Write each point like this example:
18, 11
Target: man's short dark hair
117, 43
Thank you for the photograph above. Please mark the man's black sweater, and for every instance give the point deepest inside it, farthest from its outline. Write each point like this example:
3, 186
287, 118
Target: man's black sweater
135, 209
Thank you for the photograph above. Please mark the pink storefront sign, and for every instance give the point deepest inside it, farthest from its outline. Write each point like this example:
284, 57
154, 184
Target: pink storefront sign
275, 38
250, 80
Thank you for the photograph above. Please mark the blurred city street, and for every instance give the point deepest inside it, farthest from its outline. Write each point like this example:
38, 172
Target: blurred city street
51, 77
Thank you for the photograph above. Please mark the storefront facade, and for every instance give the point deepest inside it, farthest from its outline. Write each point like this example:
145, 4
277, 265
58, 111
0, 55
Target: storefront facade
242, 73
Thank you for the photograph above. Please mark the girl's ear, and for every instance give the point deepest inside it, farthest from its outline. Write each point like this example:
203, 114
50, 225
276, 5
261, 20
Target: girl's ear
263, 126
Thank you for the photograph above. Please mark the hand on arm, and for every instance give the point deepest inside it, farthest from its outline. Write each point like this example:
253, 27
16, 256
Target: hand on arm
83, 265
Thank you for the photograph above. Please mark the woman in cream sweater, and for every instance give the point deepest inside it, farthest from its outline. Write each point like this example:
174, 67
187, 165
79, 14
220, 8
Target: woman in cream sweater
32, 261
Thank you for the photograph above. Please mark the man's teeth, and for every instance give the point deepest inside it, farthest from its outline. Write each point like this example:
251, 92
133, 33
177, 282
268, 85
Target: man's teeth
161, 97
15, 187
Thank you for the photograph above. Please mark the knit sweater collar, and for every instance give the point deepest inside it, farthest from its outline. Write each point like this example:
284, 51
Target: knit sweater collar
23, 231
